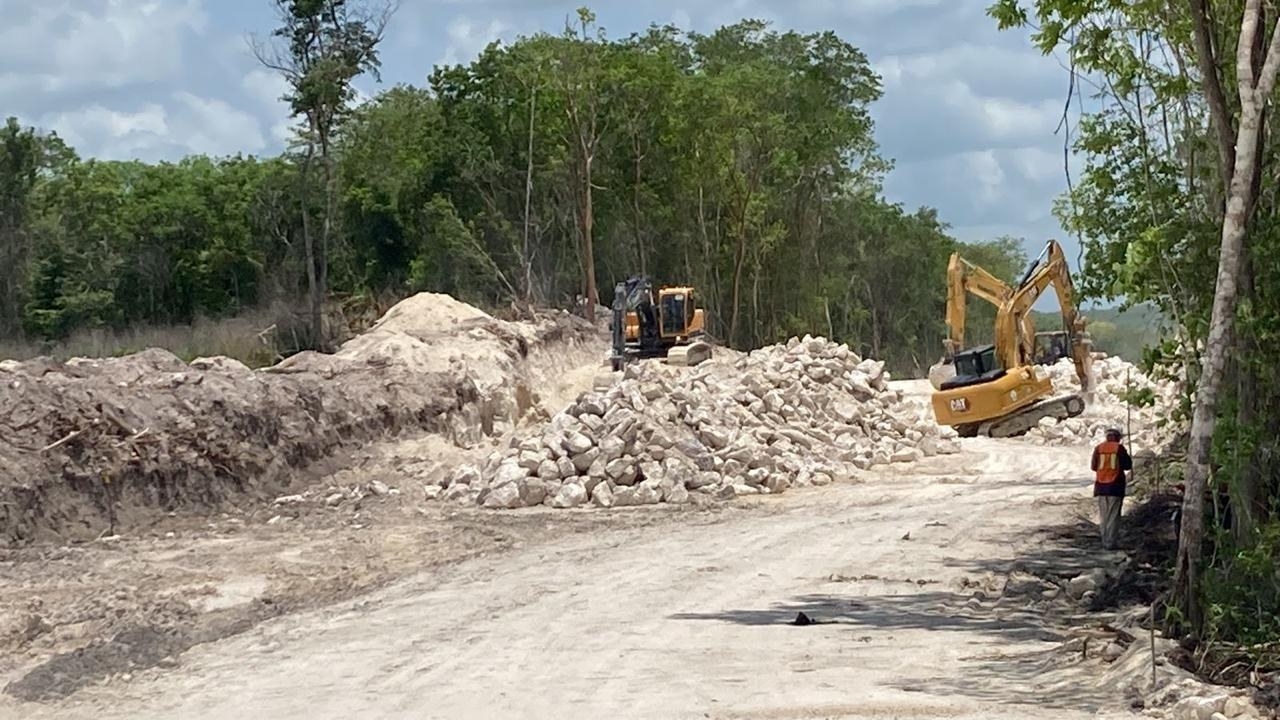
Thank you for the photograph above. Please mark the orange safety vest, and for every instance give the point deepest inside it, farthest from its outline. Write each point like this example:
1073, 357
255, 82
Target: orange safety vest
1108, 467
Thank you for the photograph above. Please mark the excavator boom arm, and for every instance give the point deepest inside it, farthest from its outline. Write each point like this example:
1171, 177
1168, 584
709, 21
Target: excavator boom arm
964, 277
1050, 269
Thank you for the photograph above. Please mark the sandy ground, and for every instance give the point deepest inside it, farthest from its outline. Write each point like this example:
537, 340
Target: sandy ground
660, 612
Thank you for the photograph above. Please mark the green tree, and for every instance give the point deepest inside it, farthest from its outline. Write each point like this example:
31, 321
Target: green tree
1175, 183
324, 46
26, 157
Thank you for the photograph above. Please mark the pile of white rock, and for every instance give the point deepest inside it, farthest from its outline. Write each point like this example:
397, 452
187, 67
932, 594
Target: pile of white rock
799, 414
1118, 387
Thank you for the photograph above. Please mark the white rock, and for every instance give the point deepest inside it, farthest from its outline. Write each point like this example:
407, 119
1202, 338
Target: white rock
714, 437
703, 479
549, 470
621, 471
1112, 652
334, 499
582, 462
623, 496
676, 495
597, 470
648, 493
592, 404
1239, 707
577, 443
602, 495
1197, 708
465, 474
432, 492
461, 493
612, 448
1081, 584
531, 459
532, 491
566, 468
906, 455
510, 473
570, 495
777, 483
503, 497
289, 499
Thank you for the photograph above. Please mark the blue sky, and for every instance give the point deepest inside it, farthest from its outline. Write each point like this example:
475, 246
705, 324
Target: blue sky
968, 115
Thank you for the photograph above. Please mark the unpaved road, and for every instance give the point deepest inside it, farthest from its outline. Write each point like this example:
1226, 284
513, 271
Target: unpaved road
678, 620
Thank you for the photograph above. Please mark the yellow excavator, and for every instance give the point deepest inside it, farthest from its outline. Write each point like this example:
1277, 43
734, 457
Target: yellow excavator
1002, 390
666, 323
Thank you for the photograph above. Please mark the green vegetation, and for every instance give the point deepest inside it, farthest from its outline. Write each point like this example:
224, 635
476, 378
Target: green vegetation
742, 161
1126, 333
1179, 210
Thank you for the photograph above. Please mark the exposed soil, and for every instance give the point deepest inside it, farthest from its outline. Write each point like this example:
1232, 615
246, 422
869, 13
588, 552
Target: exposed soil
658, 611
207, 541
90, 447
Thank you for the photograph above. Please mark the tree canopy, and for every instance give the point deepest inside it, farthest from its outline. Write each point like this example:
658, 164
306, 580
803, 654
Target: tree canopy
742, 161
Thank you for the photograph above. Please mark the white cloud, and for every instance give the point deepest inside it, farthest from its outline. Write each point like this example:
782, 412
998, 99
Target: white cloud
188, 124
466, 39
118, 135
213, 127
984, 170
66, 45
266, 88
1037, 164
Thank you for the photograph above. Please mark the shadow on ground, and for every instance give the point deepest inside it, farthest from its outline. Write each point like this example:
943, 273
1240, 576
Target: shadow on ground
1037, 668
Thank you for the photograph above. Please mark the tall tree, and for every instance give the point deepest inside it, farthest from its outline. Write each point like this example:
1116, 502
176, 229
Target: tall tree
1254, 84
580, 71
321, 47
24, 156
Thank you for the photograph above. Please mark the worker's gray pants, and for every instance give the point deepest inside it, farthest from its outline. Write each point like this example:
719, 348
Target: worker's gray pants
1109, 520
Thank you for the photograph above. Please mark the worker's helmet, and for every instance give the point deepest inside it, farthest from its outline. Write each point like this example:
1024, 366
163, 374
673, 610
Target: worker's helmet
1114, 434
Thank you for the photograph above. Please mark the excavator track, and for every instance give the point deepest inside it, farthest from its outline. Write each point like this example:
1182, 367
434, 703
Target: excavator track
1067, 406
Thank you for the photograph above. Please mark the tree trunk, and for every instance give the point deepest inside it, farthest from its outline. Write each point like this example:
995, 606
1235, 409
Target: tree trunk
322, 257
1248, 485
1255, 91
309, 251
588, 249
527, 254
635, 208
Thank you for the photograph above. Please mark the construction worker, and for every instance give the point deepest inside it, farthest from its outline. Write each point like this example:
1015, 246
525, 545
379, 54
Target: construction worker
1109, 463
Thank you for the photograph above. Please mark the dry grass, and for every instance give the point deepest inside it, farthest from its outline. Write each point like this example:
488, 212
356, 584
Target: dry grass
239, 337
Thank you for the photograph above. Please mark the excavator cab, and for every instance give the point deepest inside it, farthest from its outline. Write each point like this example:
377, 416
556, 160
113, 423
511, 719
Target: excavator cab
667, 324
1052, 346
974, 366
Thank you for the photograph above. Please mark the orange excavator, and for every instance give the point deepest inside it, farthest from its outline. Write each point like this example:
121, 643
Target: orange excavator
1002, 389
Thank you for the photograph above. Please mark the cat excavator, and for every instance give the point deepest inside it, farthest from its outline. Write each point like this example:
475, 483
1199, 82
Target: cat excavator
1002, 390
664, 324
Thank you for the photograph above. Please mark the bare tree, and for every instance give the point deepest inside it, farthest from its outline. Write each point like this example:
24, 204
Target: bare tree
320, 48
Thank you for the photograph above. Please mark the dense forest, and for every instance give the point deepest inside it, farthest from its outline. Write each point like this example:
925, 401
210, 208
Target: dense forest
742, 161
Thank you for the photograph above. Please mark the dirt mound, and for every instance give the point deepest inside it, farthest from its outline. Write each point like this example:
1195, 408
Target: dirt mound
426, 314
91, 445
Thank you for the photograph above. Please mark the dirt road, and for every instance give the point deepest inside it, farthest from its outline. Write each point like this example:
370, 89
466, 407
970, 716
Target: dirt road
903, 574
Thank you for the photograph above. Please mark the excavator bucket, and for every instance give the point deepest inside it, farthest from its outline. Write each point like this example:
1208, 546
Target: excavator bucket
695, 353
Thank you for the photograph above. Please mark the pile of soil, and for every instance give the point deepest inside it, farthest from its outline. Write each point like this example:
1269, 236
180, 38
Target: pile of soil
91, 446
